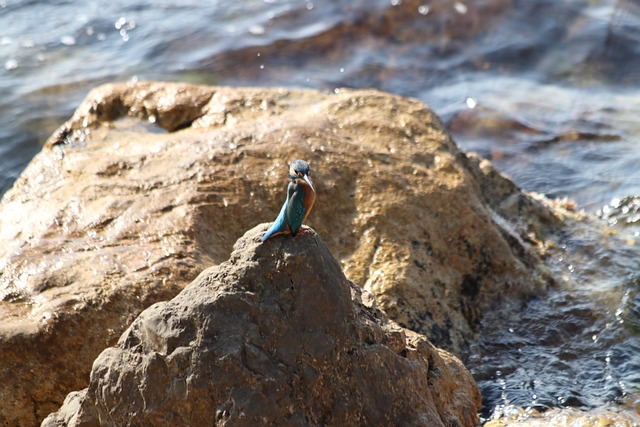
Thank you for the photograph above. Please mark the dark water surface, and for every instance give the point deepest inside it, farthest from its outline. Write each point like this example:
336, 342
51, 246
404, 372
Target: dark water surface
548, 90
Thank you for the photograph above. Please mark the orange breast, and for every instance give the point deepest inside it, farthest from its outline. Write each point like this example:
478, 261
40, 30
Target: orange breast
309, 199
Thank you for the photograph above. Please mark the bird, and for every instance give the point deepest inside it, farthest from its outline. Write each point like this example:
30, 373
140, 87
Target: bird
300, 198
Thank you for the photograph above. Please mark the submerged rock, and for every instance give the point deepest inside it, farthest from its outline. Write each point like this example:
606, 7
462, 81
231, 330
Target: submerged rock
150, 183
275, 336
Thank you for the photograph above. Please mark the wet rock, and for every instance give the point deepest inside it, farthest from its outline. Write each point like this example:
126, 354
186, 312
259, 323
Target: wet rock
150, 183
275, 336
600, 417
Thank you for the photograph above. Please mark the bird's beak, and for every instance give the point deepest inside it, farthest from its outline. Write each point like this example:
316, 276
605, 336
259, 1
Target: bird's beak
308, 179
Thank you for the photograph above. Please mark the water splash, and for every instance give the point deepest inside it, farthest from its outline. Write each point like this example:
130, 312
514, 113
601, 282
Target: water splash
621, 211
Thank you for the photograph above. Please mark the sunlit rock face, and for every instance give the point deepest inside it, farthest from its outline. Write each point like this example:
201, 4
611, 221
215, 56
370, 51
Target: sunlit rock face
150, 183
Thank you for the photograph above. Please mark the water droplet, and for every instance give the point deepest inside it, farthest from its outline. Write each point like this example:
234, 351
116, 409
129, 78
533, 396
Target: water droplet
309, 6
122, 25
257, 30
423, 9
342, 69
262, 66
68, 40
395, 2
336, 90
460, 8
471, 103
11, 64
120, 22
152, 119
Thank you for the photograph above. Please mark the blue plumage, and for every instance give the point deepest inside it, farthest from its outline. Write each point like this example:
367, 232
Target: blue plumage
300, 198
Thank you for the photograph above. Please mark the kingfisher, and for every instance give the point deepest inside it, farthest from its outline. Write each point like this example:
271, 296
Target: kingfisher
300, 198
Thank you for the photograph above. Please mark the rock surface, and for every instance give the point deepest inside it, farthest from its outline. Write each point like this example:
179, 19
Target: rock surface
150, 183
275, 336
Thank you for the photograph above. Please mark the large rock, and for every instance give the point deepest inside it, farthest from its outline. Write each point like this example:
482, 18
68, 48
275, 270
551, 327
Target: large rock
149, 183
275, 336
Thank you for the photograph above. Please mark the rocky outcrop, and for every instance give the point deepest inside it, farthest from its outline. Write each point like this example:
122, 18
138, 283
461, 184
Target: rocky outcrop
275, 336
150, 183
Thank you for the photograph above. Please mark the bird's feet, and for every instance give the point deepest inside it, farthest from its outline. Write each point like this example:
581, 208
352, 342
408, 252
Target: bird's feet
302, 230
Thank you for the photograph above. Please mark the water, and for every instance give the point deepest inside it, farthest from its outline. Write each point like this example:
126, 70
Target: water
546, 89
576, 346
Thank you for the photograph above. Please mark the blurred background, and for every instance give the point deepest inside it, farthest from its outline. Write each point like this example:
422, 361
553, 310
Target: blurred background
546, 89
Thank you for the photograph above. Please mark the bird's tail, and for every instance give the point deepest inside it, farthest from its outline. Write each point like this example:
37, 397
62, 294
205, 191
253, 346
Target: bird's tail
279, 226
269, 233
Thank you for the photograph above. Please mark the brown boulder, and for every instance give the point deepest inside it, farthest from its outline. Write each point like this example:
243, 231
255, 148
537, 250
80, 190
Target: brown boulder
275, 336
149, 183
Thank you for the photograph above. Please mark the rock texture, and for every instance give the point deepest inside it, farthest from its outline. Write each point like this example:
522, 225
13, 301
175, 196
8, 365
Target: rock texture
149, 183
275, 336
